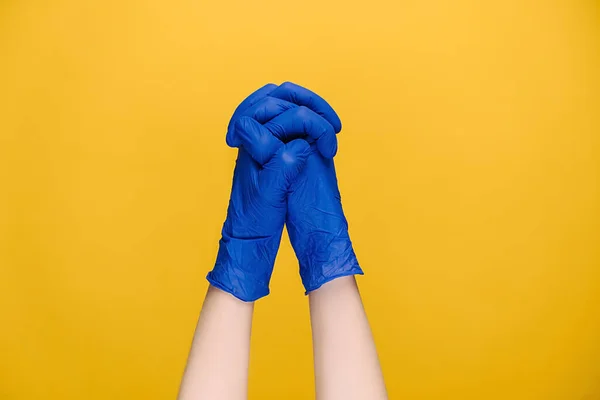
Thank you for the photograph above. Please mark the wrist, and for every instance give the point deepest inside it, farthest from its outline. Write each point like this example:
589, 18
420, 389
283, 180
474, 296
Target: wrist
340, 283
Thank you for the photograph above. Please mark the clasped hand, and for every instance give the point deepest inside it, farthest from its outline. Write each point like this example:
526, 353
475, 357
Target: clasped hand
284, 174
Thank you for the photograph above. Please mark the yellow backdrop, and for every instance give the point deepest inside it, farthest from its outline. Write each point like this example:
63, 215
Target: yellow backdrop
469, 168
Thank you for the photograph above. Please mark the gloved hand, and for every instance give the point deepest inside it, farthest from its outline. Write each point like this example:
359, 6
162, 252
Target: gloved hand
317, 226
315, 219
252, 230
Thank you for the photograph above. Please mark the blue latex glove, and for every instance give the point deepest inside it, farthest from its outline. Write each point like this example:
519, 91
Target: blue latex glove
315, 220
317, 226
252, 230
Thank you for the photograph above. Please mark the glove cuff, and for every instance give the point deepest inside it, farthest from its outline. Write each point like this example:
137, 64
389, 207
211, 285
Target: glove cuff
354, 271
244, 266
316, 272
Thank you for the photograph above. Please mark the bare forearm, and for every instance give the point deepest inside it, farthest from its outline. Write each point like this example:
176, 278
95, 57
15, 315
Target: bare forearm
346, 362
217, 367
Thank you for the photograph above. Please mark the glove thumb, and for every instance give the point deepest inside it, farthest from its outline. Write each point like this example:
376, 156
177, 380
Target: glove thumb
283, 168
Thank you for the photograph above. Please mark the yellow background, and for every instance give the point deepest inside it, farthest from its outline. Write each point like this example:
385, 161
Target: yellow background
468, 165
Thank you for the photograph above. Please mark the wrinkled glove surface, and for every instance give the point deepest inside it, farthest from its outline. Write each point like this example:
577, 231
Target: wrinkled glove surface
317, 226
252, 230
316, 223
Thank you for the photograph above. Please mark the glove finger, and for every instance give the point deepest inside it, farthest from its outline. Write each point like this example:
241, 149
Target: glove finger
301, 121
257, 140
277, 175
262, 111
259, 94
303, 97
268, 108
